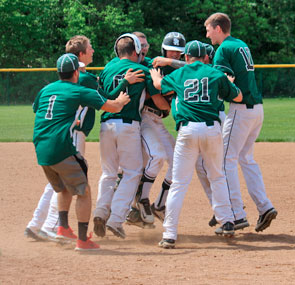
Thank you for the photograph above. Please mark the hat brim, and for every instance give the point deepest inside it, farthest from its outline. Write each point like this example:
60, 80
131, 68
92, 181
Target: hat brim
181, 49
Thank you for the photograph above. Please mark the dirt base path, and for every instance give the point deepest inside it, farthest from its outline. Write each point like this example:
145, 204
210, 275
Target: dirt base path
201, 257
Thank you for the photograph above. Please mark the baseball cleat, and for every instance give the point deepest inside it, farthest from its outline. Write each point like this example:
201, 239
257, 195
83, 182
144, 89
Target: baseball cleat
99, 227
65, 234
145, 210
158, 213
117, 231
167, 243
241, 224
134, 219
30, 234
213, 222
226, 230
264, 220
87, 245
48, 236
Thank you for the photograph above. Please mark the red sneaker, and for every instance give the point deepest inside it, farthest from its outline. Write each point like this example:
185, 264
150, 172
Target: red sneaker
87, 245
66, 234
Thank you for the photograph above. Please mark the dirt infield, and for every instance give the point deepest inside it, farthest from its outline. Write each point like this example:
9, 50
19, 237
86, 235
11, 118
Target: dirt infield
201, 257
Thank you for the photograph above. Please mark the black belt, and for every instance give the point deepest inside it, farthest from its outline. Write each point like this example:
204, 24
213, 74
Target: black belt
124, 120
208, 123
249, 106
154, 111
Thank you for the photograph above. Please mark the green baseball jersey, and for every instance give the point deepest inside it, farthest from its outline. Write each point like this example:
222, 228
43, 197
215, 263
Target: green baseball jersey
55, 108
111, 76
233, 56
198, 88
165, 70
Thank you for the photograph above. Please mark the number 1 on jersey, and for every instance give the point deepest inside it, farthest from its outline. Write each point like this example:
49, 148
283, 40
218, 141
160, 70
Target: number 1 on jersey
49, 114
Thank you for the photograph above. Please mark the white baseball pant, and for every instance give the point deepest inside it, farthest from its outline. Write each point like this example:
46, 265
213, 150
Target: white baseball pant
241, 129
193, 140
120, 145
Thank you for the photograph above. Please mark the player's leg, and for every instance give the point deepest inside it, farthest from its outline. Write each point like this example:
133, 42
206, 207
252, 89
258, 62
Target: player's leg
69, 178
129, 150
235, 132
211, 146
156, 155
109, 164
185, 156
251, 170
49, 228
40, 213
168, 141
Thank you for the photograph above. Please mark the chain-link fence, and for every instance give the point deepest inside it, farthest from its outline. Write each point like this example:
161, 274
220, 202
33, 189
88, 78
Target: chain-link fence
20, 86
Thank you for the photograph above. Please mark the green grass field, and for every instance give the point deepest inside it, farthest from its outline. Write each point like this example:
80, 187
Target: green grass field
16, 124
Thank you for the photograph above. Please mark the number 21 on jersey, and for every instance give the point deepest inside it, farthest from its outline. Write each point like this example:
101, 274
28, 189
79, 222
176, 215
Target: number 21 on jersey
191, 93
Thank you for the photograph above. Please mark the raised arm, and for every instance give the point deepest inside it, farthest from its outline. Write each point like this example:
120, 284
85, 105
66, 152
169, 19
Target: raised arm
164, 61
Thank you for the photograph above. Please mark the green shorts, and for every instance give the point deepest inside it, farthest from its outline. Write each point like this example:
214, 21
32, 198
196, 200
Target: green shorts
69, 174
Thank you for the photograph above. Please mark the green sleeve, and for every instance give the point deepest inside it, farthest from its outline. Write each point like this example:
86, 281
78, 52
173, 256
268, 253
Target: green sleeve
221, 61
115, 92
228, 91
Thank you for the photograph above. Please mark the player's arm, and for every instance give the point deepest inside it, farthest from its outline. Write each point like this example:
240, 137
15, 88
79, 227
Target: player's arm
131, 77
164, 61
161, 102
157, 78
115, 106
239, 98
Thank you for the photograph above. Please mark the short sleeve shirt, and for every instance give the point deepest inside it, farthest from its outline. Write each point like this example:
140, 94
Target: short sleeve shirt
233, 57
55, 108
109, 79
199, 90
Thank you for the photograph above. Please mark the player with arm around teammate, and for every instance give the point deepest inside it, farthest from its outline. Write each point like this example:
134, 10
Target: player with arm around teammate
195, 110
44, 223
120, 140
242, 124
158, 146
66, 170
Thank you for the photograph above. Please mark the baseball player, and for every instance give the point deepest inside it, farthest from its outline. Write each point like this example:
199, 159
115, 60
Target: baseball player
120, 140
201, 171
65, 168
242, 124
46, 217
158, 146
195, 110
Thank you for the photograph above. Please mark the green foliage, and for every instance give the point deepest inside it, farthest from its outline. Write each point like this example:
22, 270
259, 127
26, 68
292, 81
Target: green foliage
17, 122
34, 32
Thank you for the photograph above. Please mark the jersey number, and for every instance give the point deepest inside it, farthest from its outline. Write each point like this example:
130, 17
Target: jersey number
117, 79
49, 114
245, 52
191, 92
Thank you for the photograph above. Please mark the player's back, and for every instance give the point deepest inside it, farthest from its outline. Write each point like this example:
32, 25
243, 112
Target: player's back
110, 78
234, 57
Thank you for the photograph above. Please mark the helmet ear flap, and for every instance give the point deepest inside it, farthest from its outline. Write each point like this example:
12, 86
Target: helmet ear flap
136, 42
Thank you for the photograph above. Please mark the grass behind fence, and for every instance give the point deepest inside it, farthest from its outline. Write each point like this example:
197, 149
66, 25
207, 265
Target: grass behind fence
16, 124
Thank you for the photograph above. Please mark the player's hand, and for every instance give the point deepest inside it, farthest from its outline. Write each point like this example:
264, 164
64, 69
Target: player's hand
123, 98
156, 73
230, 78
161, 61
134, 76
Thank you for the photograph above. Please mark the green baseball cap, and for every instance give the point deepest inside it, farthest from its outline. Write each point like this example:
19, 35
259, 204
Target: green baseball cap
68, 62
195, 49
209, 50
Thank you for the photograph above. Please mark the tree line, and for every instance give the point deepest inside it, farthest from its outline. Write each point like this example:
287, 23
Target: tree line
34, 32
